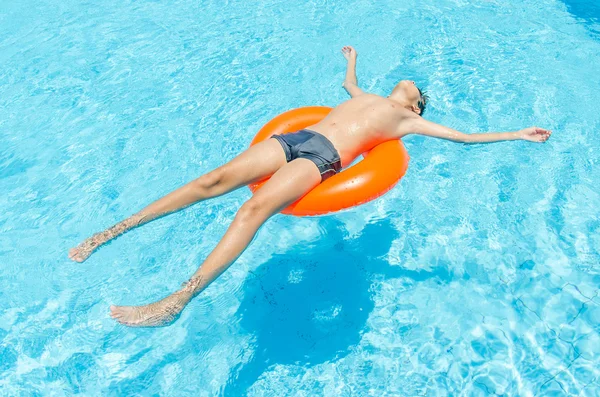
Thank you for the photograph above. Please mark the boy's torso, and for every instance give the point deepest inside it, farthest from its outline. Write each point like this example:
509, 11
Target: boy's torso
362, 123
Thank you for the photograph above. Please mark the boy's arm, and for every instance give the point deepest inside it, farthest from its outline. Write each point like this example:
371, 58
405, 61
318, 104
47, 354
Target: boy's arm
419, 125
350, 83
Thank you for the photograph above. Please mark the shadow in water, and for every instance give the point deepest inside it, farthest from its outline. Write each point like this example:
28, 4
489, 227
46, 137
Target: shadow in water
310, 305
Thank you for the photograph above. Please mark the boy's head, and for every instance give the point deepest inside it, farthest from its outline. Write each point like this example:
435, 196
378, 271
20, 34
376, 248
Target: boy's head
411, 96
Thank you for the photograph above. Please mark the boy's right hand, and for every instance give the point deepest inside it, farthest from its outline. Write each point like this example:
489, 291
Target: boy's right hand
349, 53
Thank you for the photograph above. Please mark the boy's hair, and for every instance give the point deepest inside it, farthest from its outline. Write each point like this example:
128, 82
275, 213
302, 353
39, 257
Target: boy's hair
422, 103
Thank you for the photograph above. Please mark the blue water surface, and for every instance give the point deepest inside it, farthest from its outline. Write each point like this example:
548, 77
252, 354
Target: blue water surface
477, 275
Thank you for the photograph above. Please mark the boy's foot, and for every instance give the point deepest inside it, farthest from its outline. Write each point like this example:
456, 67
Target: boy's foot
85, 249
155, 314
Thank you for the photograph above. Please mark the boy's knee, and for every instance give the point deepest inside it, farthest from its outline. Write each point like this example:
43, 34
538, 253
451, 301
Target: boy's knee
210, 180
253, 209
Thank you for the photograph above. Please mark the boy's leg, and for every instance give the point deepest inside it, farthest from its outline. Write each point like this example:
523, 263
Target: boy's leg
288, 184
255, 163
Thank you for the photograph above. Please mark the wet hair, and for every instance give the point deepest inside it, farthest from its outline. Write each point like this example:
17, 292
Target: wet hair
422, 102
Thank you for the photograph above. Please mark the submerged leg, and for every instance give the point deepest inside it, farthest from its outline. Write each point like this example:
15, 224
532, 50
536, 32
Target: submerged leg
259, 161
287, 185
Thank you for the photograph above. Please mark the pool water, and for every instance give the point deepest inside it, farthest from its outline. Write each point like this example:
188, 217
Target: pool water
477, 275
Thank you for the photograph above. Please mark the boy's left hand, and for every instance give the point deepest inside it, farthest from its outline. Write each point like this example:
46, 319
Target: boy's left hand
535, 134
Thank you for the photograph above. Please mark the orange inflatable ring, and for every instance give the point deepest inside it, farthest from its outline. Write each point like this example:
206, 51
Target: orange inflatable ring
379, 171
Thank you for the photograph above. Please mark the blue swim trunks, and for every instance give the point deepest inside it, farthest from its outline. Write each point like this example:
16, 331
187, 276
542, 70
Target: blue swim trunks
313, 146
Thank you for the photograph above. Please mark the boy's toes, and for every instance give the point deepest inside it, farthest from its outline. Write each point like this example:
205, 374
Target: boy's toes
116, 312
73, 253
78, 255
